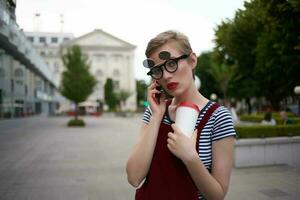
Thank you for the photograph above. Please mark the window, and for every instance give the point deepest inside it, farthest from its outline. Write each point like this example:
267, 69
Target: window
42, 53
56, 68
26, 90
99, 73
2, 72
54, 40
30, 38
116, 73
116, 85
117, 58
19, 82
99, 85
42, 39
66, 39
12, 85
19, 73
99, 58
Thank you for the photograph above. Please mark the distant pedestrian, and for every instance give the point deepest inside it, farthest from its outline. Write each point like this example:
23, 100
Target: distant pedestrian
233, 113
285, 118
268, 119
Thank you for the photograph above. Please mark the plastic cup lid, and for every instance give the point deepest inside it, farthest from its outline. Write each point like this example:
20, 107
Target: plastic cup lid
189, 104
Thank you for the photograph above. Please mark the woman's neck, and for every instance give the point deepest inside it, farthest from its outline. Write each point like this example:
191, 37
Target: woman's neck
191, 95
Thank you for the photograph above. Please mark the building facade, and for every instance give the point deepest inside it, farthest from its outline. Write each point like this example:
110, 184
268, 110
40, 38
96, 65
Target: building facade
48, 46
27, 85
109, 57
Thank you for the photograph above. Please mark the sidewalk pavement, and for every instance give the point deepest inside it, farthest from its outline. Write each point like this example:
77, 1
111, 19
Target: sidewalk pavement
42, 159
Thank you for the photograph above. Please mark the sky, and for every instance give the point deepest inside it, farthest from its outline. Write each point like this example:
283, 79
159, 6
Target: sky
135, 21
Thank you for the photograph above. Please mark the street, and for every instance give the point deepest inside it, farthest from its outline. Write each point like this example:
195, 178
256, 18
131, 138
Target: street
42, 159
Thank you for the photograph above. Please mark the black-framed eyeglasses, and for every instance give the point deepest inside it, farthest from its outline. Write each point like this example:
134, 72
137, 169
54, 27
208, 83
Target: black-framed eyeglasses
170, 65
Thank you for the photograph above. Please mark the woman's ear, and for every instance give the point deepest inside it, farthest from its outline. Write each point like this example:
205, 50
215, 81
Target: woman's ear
193, 60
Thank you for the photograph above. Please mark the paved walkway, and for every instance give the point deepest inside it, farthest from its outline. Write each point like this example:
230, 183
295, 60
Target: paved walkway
42, 159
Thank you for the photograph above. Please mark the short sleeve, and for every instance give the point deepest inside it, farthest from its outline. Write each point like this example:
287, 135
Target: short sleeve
147, 115
223, 124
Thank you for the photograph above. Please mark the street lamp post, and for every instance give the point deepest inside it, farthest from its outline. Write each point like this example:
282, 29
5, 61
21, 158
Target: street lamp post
297, 92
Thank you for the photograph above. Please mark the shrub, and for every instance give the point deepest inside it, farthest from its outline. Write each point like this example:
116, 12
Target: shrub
261, 131
259, 117
76, 122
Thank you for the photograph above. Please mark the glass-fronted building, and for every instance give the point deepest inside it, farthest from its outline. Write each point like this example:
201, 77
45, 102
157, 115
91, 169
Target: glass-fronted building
27, 85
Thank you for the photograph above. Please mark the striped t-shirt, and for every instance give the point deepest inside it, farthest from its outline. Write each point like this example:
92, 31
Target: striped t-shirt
219, 126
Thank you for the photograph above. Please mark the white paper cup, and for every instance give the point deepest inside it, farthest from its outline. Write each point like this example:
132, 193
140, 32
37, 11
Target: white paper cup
186, 117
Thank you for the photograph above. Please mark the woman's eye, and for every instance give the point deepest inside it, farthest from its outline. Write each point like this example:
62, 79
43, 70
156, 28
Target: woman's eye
171, 63
156, 71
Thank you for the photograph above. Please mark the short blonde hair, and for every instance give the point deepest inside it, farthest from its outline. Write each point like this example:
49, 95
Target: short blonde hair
169, 36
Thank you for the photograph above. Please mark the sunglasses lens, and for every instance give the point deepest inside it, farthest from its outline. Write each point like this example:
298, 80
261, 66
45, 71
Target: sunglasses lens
148, 63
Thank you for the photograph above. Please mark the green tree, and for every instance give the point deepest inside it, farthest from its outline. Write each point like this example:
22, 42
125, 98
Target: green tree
261, 41
222, 73
141, 88
122, 96
208, 83
109, 94
77, 82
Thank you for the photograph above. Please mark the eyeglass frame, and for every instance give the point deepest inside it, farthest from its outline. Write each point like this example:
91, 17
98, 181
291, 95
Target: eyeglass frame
184, 56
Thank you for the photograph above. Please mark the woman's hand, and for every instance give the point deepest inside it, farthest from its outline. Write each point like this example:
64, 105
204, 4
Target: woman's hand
156, 107
182, 146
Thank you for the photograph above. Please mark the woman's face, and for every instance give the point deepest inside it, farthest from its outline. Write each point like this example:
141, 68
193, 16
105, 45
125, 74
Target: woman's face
178, 82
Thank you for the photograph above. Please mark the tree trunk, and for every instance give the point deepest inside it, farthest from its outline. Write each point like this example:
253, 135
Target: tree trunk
249, 105
76, 111
275, 102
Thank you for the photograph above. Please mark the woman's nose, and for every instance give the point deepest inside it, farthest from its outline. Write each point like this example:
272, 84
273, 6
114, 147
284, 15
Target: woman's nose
167, 75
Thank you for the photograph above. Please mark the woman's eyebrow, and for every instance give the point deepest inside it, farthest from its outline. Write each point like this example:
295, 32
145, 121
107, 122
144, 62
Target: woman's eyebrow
160, 64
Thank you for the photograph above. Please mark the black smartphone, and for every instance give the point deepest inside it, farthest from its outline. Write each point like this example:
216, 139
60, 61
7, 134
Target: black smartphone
157, 96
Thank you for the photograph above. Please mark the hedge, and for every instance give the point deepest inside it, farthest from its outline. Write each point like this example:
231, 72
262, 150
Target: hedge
263, 131
259, 118
76, 122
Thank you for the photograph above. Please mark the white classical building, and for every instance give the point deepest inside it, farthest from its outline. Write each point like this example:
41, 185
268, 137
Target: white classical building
109, 57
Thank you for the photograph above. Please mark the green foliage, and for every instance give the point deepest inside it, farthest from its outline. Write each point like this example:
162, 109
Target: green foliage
76, 122
222, 73
122, 96
215, 76
141, 89
261, 40
109, 94
208, 83
260, 117
77, 82
260, 131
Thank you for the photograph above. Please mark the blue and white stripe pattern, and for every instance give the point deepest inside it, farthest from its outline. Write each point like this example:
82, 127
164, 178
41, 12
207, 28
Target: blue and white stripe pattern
219, 126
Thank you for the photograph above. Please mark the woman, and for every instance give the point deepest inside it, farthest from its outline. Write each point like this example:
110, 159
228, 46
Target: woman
268, 119
172, 165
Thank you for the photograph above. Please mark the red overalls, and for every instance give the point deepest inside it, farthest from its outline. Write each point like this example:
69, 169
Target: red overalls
168, 178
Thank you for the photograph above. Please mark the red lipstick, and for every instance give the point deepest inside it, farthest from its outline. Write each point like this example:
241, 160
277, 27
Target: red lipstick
172, 85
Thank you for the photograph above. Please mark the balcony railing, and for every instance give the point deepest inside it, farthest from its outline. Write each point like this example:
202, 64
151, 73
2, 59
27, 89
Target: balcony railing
16, 37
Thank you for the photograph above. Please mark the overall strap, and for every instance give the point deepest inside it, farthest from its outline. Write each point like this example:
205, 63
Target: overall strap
204, 120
